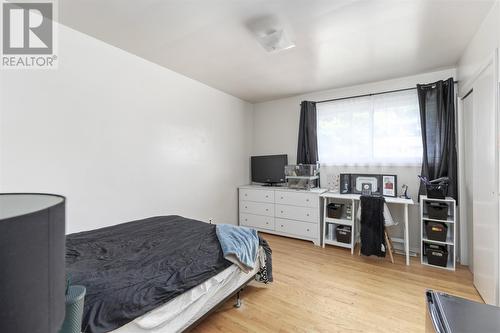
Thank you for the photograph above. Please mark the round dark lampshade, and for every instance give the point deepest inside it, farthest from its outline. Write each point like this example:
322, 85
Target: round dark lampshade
32, 268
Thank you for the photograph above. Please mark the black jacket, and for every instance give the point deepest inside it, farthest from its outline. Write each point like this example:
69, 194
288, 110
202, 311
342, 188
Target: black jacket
372, 226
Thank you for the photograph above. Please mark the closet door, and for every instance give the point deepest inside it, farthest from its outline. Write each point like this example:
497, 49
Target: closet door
485, 189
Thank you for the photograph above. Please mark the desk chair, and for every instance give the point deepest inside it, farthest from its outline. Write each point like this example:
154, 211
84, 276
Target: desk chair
378, 217
389, 246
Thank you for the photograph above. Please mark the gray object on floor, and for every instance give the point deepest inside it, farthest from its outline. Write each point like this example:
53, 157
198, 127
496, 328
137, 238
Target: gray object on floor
451, 314
74, 310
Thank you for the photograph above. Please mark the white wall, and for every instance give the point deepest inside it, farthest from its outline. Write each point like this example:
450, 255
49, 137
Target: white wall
122, 138
276, 126
480, 48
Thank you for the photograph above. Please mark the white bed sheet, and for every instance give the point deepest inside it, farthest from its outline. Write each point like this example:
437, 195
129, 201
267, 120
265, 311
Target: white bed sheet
180, 312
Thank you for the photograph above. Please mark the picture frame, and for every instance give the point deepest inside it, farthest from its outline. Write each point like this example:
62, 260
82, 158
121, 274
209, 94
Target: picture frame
389, 185
372, 183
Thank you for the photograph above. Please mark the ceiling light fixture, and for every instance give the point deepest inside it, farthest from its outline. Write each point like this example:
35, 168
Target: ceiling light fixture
276, 40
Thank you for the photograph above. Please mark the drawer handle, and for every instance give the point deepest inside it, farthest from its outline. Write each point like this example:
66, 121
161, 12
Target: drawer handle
281, 198
246, 195
267, 196
281, 212
246, 220
307, 200
267, 210
246, 207
282, 225
307, 214
307, 229
267, 222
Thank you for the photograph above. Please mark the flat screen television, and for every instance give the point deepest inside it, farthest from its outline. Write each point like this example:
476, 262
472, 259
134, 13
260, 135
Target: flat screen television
269, 169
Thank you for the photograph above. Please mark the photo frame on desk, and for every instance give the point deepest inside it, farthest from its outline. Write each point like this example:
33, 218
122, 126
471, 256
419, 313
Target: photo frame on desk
389, 185
345, 183
377, 184
366, 183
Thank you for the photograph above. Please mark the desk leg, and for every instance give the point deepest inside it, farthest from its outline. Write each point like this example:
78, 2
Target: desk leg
353, 228
323, 223
407, 238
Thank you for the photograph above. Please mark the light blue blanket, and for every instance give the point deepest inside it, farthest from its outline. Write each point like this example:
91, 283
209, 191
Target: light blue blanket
239, 245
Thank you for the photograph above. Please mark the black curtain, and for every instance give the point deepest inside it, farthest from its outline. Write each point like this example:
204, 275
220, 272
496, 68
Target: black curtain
437, 118
307, 149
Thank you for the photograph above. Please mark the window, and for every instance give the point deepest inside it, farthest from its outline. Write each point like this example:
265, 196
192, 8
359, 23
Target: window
380, 129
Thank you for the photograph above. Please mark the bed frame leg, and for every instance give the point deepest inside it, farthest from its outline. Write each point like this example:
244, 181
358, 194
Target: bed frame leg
238, 300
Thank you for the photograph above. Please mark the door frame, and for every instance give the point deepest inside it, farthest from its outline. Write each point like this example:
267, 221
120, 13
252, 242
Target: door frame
463, 233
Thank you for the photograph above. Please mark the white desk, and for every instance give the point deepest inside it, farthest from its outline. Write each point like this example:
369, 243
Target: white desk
389, 200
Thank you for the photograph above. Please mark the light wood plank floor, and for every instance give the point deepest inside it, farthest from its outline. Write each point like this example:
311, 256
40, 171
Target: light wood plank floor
328, 290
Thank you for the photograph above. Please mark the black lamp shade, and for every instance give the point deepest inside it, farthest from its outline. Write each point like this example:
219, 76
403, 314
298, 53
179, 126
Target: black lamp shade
32, 262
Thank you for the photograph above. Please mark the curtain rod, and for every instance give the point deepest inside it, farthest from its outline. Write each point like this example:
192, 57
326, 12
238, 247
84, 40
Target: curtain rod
374, 94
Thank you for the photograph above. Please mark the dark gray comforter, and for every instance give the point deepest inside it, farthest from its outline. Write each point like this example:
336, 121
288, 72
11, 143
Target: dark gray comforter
131, 268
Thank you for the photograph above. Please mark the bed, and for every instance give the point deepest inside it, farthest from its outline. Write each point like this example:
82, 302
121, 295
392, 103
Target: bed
161, 274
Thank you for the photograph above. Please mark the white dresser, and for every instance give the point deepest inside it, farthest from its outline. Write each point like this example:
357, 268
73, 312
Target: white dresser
282, 211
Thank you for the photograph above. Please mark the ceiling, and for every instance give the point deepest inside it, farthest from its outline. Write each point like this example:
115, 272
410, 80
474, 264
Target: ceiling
338, 42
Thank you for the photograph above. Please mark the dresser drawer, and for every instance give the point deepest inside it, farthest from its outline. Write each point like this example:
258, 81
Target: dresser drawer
257, 221
258, 208
298, 213
297, 198
256, 195
297, 228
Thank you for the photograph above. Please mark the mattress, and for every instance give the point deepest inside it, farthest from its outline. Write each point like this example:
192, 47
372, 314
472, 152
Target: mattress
182, 311
133, 268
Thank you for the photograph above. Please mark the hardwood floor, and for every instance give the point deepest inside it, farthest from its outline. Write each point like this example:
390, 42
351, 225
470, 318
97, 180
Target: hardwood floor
328, 290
